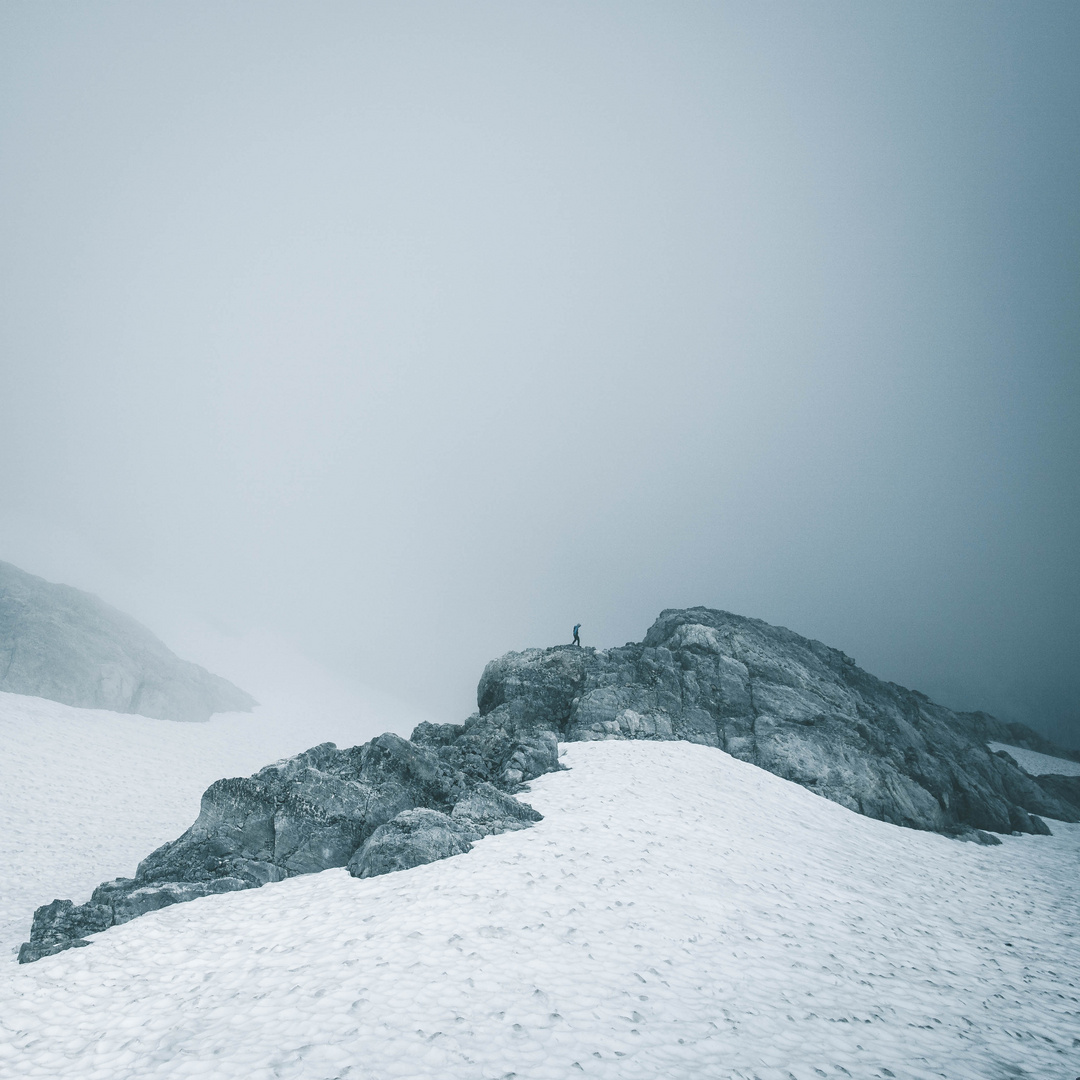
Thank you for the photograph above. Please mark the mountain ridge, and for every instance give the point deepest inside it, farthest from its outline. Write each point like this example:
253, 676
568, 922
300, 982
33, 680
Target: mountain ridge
790, 704
793, 706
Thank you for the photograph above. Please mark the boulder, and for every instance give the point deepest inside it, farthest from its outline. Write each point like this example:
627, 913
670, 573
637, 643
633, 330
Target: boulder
61, 925
315, 811
412, 838
487, 811
302, 815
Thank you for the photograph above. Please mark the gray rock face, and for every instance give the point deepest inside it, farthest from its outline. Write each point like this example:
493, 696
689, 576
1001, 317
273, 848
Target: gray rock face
60, 643
1065, 788
379, 807
305, 814
487, 811
494, 748
788, 704
61, 925
411, 838
984, 728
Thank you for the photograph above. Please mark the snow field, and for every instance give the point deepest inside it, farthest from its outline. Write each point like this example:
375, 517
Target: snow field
1031, 761
677, 914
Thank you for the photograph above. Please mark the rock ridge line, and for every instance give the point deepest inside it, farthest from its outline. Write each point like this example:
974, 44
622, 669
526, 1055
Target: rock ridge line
764, 694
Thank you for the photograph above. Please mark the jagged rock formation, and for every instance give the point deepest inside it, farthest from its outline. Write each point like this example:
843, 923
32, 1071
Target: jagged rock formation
60, 643
412, 838
793, 706
383, 806
488, 810
764, 694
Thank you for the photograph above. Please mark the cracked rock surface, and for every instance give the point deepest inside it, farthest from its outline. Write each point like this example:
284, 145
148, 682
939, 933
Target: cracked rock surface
411, 838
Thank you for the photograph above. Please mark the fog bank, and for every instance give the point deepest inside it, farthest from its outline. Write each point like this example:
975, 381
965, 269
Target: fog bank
415, 333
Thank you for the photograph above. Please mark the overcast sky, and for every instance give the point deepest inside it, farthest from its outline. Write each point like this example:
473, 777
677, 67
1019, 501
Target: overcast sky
416, 333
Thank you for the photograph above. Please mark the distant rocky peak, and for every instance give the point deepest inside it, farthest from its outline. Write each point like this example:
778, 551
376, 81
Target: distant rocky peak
60, 643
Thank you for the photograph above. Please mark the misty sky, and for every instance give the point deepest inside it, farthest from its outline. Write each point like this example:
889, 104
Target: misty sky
416, 333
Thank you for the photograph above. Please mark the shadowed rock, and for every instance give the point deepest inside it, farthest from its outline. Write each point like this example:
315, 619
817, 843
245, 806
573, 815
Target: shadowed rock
985, 728
487, 811
59, 643
308, 813
1065, 788
412, 838
61, 925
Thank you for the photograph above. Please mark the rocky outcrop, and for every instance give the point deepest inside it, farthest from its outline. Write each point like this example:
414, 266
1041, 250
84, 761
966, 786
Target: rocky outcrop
61, 925
793, 706
488, 810
60, 643
764, 694
496, 748
387, 805
411, 838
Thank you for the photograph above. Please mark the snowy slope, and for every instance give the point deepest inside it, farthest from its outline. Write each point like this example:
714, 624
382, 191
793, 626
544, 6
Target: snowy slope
1037, 764
678, 913
85, 794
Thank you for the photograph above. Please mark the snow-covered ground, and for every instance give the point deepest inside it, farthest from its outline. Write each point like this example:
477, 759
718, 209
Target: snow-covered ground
85, 794
1037, 764
678, 914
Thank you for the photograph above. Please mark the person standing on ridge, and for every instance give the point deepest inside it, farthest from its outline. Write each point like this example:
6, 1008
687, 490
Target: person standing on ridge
577, 640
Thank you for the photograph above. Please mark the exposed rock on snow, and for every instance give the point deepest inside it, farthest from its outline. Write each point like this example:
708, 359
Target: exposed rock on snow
315, 811
494, 748
1056, 775
488, 810
1065, 788
989, 729
85, 794
60, 643
791, 705
678, 914
412, 838
764, 694
61, 925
